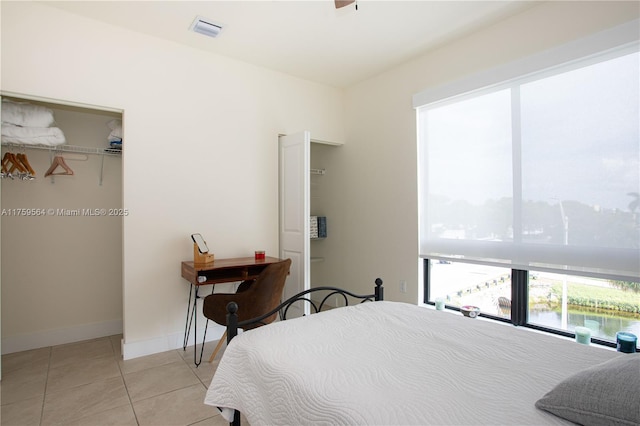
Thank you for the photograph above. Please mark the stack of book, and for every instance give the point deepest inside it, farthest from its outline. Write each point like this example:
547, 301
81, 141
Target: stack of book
318, 227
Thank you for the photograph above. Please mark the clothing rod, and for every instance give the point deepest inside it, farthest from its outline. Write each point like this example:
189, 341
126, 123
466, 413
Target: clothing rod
317, 171
68, 148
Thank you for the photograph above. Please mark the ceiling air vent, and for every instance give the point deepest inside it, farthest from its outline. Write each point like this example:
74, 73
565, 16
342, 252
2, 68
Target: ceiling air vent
206, 27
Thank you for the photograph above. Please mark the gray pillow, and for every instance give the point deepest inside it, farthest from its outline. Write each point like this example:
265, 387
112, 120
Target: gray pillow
605, 394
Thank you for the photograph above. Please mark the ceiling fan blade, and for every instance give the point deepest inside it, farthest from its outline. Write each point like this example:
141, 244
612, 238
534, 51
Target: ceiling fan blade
343, 3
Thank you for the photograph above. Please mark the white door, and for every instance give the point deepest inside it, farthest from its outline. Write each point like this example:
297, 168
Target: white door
294, 213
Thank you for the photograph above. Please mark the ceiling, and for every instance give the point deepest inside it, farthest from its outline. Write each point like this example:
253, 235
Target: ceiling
308, 39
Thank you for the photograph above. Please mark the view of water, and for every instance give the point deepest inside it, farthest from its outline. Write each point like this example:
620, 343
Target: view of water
483, 286
604, 326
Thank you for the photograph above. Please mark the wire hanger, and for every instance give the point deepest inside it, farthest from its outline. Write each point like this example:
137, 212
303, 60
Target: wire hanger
58, 161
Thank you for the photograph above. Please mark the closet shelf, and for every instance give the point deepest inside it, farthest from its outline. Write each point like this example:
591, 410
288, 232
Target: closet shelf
69, 148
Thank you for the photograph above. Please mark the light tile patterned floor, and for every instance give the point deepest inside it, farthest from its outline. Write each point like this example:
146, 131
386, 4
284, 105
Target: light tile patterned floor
87, 383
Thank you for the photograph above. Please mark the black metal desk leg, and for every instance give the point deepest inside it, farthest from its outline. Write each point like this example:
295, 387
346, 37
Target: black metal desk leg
187, 324
192, 317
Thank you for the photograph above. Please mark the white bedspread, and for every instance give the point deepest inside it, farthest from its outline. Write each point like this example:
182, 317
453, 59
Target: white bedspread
389, 363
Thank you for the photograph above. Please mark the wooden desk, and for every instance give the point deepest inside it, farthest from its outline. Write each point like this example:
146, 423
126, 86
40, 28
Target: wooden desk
225, 270
217, 272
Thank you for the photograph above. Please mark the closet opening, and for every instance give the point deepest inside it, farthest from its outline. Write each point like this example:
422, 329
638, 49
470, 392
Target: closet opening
61, 224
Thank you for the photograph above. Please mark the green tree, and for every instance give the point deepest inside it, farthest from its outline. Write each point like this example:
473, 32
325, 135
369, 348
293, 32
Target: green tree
633, 286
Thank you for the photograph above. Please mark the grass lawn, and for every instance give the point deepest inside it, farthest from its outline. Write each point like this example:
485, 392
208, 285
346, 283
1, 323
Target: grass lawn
599, 297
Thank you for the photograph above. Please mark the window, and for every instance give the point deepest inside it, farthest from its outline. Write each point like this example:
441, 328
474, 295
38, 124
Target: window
564, 302
459, 284
538, 172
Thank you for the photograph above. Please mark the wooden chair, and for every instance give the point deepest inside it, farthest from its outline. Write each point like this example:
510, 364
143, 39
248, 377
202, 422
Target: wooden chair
254, 298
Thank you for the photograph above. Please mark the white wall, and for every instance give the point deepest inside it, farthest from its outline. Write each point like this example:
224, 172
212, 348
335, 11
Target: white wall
200, 146
379, 165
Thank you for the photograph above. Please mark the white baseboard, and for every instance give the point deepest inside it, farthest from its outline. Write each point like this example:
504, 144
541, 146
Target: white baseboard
130, 350
61, 336
170, 342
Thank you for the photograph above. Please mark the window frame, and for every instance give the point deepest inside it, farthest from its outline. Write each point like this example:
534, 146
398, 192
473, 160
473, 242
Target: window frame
601, 46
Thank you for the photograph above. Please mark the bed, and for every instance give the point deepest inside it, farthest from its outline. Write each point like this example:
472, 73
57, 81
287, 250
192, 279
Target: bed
389, 363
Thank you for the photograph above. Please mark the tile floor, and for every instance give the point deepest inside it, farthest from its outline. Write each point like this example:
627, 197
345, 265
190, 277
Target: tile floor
88, 383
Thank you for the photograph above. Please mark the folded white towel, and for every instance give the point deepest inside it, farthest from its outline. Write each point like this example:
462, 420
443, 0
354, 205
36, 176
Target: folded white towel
25, 114
116, 130
50, 136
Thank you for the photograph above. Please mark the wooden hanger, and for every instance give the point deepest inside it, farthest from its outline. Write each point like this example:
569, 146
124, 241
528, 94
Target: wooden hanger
5, 162
58, 161
22, 158
10, 163
17, 165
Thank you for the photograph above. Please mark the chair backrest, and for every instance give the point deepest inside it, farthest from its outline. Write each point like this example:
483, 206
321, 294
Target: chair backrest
261, 297
265, 294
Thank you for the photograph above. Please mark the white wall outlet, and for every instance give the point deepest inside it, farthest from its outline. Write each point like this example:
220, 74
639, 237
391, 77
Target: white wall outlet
403, 286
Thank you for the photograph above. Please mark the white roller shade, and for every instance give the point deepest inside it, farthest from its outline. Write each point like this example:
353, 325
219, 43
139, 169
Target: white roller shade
540, 171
